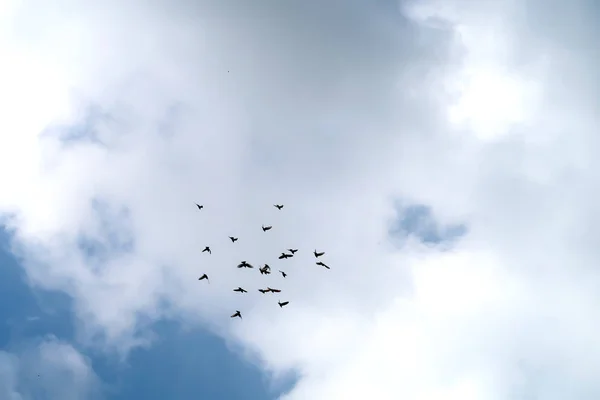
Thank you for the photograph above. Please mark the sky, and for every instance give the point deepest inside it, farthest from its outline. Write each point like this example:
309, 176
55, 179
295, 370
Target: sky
440, 152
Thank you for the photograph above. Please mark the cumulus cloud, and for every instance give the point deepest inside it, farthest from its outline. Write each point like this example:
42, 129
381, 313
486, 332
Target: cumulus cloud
47, 369
125, 116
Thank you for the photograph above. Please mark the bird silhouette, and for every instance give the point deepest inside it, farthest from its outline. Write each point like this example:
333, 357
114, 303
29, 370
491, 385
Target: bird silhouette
207, 249
266, 270
284, 255
199, 206
293, 251
318, 254
263, 291
273, 290
285, 303
239, 289
237, 314
204, 277
244, 264
279, 206
266, 228
323, 265
283, 273
233, 239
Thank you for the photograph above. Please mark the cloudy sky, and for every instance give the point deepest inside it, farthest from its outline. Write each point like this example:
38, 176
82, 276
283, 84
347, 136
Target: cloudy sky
442, 152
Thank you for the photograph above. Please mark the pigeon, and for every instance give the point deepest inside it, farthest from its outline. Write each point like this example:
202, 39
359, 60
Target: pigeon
233, 239
283, 273
266, 228
285, 303
318, 254
278, 206
266, 270
204, 277
207, 249
263, 291
293, 251
323, 265
240, 290
284, 255
244, 264
199, 206
237, 314
273, 290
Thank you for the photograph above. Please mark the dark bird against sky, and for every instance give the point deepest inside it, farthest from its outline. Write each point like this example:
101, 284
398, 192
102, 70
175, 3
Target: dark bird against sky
266, 228
237, 314
323, 265
244, 264
318, 254
233, 239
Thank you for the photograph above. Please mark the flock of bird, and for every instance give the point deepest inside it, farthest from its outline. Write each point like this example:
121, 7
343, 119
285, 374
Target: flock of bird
264, 270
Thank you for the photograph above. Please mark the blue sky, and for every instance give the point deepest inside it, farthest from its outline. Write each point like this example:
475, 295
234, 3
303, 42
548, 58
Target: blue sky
180, 364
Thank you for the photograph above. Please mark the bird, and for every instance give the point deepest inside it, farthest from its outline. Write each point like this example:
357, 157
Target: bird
273, 290
293, 251
199, 206
233, 239
263, 291
239, 289
266, 270
283, 273
285, 303
318, 254
244, 264
323, 265
207, 249
237, 314
204, 277
284, 255
266, 228
278, 206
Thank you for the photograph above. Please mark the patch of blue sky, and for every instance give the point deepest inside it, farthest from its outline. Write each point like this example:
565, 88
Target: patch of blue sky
180, 364
418, 221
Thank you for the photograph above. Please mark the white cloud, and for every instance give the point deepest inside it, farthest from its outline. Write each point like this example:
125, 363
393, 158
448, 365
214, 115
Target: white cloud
49, 369
336, 119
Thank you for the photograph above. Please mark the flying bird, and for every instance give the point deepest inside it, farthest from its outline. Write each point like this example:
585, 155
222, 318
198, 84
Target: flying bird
204, 277
283, 273
318, 254
263, 291
323, 265
199, 206
273, 290
285, 303
284, 255
266, 270
293, 251
233, 239
244, 264
239, 289
207, 249
279, 206
237, 314
266, 228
